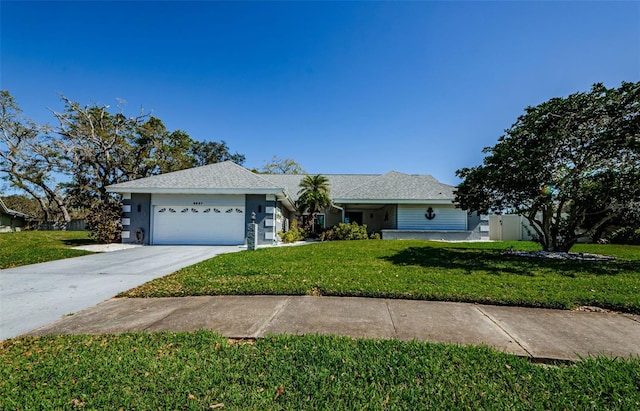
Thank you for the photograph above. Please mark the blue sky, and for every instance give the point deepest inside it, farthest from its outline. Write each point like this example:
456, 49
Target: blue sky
341, 87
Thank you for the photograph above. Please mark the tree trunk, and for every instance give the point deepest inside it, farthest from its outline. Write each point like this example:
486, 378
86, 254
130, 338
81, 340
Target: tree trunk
53, 196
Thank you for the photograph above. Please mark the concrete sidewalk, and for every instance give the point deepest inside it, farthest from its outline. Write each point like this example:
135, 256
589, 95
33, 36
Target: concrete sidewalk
540, 334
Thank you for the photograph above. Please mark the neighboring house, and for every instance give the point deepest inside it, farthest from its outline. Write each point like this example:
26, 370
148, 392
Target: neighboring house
213, 205
11, 220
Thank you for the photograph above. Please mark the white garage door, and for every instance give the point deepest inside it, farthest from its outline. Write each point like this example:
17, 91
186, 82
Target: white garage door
198, 224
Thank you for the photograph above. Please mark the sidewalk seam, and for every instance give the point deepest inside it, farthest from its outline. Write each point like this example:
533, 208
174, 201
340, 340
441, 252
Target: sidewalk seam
393, 324
632, 318
260, 331
515, 340
169, 314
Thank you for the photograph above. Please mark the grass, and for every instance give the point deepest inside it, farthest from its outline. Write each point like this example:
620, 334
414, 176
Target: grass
30, 247
468, 272
202, 370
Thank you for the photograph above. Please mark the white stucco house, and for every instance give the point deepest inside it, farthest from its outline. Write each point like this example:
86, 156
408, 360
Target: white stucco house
213, 204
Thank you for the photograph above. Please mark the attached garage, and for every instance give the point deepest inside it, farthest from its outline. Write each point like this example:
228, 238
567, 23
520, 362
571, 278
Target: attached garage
198, 219
207, 205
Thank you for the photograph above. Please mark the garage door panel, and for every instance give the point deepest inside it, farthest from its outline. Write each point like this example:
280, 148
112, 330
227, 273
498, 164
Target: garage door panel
198, 224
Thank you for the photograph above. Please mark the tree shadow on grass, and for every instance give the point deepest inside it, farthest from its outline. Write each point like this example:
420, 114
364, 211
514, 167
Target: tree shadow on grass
496, 263
74, 242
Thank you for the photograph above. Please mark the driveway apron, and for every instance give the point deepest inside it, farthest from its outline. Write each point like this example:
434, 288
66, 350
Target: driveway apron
34, 295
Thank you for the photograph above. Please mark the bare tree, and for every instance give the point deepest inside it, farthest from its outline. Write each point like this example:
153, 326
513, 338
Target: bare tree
99, 145
282, 166
28, 158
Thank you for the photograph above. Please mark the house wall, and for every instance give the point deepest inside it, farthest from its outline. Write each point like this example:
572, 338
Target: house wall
389, 217
9, 223
287, 218
5, 223
410, 217
265, 207
136, 211
375, 219
428, 235
478, 225
332, 217
447, 217
372, 219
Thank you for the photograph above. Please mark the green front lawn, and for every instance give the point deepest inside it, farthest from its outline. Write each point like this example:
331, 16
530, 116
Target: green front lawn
205, 371
30, 247
471, 272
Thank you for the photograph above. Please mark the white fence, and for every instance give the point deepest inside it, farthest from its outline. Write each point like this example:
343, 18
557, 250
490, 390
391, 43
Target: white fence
508, 227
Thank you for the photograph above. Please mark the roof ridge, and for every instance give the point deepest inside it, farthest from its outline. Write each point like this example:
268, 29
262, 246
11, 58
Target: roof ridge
248, 171
379, 176
322, 174
400, 186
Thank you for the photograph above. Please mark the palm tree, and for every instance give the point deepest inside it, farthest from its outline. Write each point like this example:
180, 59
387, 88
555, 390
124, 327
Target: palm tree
313, 196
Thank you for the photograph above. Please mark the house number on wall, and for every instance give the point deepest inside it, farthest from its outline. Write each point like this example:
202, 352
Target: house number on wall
197, 203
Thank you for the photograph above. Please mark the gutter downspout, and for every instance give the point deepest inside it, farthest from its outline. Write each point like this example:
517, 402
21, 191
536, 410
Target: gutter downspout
341, 209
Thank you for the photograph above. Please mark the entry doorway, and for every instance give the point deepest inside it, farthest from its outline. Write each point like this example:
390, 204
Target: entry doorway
353, 217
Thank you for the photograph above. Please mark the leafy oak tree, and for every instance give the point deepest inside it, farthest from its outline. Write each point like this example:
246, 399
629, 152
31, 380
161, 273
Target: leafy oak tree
210, 152
569, 165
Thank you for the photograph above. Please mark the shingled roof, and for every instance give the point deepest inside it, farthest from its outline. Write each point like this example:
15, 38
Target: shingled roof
213, 177
230, 178
14, 213
338, 183
397, 187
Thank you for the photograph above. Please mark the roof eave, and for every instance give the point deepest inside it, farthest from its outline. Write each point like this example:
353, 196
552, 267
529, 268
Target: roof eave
286, 200
393, 201
279, 193
13, 213
187, 190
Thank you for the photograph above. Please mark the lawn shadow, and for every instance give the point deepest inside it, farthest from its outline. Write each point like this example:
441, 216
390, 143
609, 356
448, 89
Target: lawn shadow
497, 263
78, 241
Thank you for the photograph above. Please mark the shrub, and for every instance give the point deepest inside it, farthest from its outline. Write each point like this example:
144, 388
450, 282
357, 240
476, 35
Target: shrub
328, 235
294, 234
625, 235
345, 231
104, 222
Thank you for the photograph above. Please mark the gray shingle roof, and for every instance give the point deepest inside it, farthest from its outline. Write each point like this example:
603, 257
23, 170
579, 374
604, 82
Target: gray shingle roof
344, 187
4, 209
339, 183
225, 175
399, 186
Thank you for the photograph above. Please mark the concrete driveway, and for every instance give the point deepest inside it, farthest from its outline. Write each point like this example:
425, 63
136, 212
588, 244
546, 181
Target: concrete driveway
34, 295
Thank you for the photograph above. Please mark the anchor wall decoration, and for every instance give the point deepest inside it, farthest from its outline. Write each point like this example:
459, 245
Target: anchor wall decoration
430, 214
